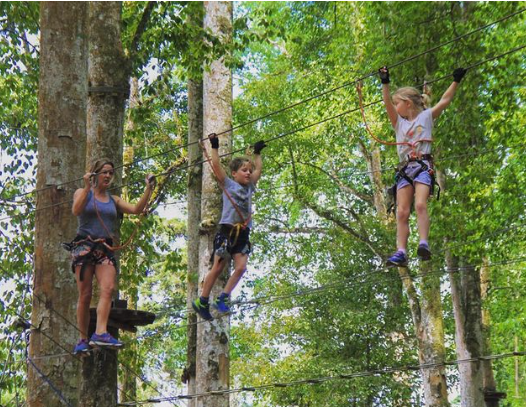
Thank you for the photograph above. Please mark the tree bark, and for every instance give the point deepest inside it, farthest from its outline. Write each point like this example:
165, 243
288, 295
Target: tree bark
108, 91
61, 152
488, 379
426, 311
195, 175
213, 359
465, 294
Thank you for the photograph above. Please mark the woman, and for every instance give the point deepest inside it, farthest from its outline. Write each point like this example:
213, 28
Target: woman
92, 251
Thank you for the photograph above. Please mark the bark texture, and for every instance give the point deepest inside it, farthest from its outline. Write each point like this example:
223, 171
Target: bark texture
426, 310
61, 152
466, 297
212, 368
195, 175
108, 91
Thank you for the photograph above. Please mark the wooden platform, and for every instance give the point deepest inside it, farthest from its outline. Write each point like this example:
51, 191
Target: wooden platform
123, 318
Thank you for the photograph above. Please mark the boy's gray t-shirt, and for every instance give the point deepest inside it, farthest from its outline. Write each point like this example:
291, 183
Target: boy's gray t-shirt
242, 196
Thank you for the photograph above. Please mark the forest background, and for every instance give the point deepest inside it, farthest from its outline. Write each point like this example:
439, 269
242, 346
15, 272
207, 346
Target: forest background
317, 218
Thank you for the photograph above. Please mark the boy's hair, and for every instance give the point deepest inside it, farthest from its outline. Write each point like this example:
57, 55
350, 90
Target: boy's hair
237, 162
97, 165
421, 101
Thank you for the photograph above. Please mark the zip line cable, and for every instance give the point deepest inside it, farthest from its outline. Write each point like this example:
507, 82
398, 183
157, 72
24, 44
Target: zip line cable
78, 358
338, 376
257, 119
286, 134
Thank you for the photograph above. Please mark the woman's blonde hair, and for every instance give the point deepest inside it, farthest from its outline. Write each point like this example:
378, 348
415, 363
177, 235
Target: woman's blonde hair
98, 164
421, 101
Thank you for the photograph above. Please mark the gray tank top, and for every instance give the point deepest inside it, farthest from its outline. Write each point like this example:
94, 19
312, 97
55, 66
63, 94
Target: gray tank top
90, 224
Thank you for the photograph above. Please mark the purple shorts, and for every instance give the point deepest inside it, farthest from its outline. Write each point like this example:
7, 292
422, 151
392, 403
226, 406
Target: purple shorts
411, 170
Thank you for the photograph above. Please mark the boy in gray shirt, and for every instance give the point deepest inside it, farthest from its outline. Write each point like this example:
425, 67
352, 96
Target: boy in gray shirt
233, 236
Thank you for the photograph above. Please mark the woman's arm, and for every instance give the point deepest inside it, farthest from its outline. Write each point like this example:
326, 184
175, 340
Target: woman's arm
128, 208
80, 197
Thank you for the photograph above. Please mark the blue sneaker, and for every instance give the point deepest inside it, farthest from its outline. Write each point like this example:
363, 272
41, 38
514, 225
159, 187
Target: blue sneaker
105, 340
423, 252
81, 347
222, 304
202, 309
399, 259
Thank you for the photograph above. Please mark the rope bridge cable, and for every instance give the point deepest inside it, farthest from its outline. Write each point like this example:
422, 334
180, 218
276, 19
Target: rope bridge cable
286, 134
338, 376
346, 283
78, 358
346, 84
49, 383
350, 282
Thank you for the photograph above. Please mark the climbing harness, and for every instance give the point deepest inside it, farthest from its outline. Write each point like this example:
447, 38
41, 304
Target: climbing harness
86, 251
401, 174
402, 167
244, 222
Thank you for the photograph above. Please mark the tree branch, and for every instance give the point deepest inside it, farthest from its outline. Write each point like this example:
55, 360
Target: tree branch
141, 28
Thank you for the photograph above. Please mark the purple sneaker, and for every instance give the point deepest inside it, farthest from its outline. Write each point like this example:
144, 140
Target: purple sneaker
399, 259
82, 347
423, 252
222, 304
105, 340
202, 309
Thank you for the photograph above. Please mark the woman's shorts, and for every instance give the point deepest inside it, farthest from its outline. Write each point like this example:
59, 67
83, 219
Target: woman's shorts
86, 253
424, 177
227, 243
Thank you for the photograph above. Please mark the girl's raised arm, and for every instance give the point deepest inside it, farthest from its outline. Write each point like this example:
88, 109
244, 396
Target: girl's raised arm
389, 107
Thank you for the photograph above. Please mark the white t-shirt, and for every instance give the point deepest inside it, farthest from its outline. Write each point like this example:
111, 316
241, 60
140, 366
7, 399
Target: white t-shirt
412, 131
242, 196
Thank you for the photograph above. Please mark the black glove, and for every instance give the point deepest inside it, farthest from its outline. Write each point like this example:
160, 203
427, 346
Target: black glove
214, 140
260, 145
384, 74
151, 180
458, 74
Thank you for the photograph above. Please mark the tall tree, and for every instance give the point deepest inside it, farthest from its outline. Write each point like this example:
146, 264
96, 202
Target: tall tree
213, 360
61, 152
195, 173
108, 92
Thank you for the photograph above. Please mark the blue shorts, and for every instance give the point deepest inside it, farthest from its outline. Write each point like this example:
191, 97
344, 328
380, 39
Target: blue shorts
413, 167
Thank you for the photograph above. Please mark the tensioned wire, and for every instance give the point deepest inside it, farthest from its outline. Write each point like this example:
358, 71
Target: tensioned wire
286, 134
293, 105
350, 282
338, 376
78, 358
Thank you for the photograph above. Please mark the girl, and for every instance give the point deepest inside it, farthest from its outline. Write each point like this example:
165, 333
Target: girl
413, 123
91, 250
233, 236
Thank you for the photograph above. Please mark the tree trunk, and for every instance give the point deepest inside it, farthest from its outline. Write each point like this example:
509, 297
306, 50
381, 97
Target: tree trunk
488, 380
465, 294
212, 368
429, 326
108, 91
195, 175
61, 153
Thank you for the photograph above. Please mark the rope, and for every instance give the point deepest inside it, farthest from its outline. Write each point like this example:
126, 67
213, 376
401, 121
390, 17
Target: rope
257, 119
339, 376
50, 383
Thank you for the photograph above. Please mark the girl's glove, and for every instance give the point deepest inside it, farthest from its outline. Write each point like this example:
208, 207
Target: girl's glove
458, 74
384, 74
